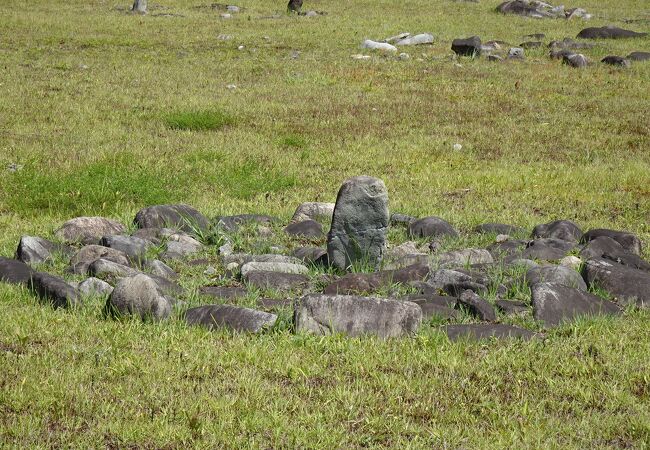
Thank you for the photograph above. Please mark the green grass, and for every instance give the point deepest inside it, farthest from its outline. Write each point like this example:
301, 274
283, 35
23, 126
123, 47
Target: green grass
110, 112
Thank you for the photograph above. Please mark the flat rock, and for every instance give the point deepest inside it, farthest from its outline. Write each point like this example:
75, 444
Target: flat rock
180, 250
94, 286
431, 298
14, 272
317, 211
522, 8
35, 250
431, 227
139, 295
608, 32
461, 258
181, 217
401, 220
233, 223
570, 44
607, 248
554, 304
159, 268
356, 283
134, 247
381, 46
356, 316
556, 275
626, 284
243, 258
614, 60
476, 306
107, 268
480, 331
54, 290
639, 56
453, 282
359, 223
559, 229
510, 249
577, 60
230, 317
467, 47
277, 280
88, 254
418, 39
628, 241
312, 255
273, 267
433, 309
547, 249
88, 230
512, 307
306, 229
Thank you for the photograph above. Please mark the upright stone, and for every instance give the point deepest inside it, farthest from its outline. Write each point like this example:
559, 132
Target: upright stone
359, 223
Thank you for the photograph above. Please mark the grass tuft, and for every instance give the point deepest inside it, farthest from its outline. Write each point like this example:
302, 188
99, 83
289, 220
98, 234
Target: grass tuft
204, 120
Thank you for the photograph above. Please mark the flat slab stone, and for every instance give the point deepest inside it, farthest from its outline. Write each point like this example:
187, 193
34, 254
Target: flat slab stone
231, 317
431, 227
14, 272
356, 316
134, 247
88, 230
556, 275
476, 306
461, 258
608, 32
181, 217
512, 307
88, 254
277, 280
630, 242
233, 223
313, 211
554, 304
626, 284
272, 267
565, 230
480, 331
356, 283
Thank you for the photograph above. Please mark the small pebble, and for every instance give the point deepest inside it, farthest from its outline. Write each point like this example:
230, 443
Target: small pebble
210, 271
226, 16
502, 238
231, 86
458, 147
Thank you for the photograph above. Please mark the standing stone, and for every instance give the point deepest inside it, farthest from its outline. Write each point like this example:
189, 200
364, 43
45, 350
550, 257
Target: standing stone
139, 295
88, 230
359, 223
182, 217
355, 316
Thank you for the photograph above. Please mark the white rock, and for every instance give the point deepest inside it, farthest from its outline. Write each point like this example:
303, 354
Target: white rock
231, 86
572, 262
403, 56
458, 147
226, 16
418, 39
232, 8
502, 238
381, 46
399, 37
359, 56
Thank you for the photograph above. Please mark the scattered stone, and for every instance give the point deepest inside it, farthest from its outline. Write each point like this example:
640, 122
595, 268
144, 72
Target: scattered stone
54, 290
139, 295
106, 268
403, 220
501, 238
88, 230
152, 235
526, 263
522, 8
608, 32
134, 247
231, 317
570, 44
273, 267
626, 284
554, 304
313, 211
181, 217
359, 223
180, 250
559, 229
465, 257
233, 8
607, 248
306, 229
559, 275
403, 56
516, 53
431, 227
476, 306
467, 47
381, 46
159, 268
616, 61
242, 258
312, 255
507, 250
577, 60
233, 223
480, 331
628, 241
432, 310
529, 44
35, 250
359, 56
418, 39
355, 316
560, 54
81, 260
95, 287
355, 283
549, 249
403, 250
225, 16
273, 305
14, 167
452, 282
294, 6
399, 37
511, 307
435, 299
571, 262
276, 280
639, 56
14, 272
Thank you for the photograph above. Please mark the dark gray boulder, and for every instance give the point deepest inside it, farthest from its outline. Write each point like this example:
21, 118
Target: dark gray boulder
35, 250
554, 304
159, 268
223, 292
559, 229
356, 316
628, 241
230, 317
312, 255
512, 307
358, 283
88, 230
608, 32
134, 247
510, 249
476, 306
522, 8
152, 235
306, 229
639, 56
607, 248
480, 331
401, 220
614, 60
14, 272
452, 282
431, 227
467, 47
626, 284
359, 223
181, 217
139, 295
277, 280
547, 249
560, 275
54, 290
294, 6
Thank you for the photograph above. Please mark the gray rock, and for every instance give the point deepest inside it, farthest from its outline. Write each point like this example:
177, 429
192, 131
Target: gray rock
560, 275
14, 272
148, 234
54, 290
272, 304
134, 247
356, 283
418, 39
431, 227
547, 249
639, 56
312, 255
453, 282
523, 8
608, 32
577, 60
511, 307
88, 230
35, 250
397, 220
223, 292
559, 229
317, 211
359, 223
277, 280
517, 52
607, 248
355, 316
527, 45
139, 295
554, 304
432, 310
476, 306
434, 299
181, 217
467, 47
159, 268
273, 267
465, 257
243, 258
107, 268
626, 284
480, 331
233, 223
81, 260
180, 250
527, 263
402, 250
305, 229
94, 286
618, 61
570, 44
230, 317
628, 241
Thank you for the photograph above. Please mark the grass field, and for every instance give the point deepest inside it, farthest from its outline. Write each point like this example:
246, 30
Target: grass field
108, 112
